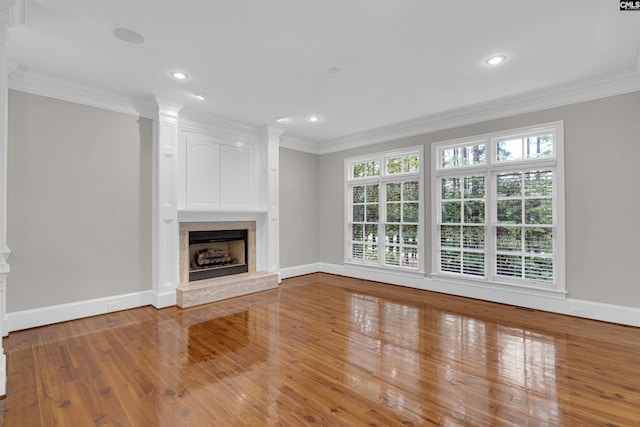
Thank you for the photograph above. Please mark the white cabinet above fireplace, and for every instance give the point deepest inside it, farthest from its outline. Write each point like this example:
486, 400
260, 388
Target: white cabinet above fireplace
215, 174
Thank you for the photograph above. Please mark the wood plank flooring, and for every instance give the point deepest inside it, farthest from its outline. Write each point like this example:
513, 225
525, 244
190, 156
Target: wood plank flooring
325, 350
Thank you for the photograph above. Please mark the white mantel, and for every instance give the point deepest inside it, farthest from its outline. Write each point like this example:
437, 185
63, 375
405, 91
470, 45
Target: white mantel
205, 170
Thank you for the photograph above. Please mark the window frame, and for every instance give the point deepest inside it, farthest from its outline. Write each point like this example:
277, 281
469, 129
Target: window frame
382, 180
490, 170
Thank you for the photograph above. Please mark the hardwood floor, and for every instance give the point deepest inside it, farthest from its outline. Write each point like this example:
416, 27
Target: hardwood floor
328, 351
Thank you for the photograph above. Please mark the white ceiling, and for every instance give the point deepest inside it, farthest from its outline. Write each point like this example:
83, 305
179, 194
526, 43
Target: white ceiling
261, 59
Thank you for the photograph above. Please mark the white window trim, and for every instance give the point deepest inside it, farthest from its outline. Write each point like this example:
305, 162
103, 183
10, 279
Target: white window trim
490, 170
382, 179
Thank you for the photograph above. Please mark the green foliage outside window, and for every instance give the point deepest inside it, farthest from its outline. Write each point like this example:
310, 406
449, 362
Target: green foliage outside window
394, 192
403, 164
397, 215
464, 156
366, 169
519, 186
410, 191
451, 188
473, 237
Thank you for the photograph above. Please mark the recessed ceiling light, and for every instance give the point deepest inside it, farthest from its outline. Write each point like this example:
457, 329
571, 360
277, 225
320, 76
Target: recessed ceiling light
199, 96
127, 35
179, 75
495, 60
314, 119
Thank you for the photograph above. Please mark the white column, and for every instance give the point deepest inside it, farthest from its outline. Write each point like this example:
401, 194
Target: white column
165, 203
12, 12
272, 137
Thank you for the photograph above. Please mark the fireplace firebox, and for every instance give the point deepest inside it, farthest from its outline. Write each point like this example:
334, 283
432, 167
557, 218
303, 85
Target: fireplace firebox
217, 253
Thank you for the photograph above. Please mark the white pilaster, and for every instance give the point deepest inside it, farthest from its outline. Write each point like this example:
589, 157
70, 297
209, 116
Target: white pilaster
12, 13
272, 138
165, 203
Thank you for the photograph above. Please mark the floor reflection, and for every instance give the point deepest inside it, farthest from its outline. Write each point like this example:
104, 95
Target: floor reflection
227, 344
485, 365
477, 365
384, 341
326, 350
220, 335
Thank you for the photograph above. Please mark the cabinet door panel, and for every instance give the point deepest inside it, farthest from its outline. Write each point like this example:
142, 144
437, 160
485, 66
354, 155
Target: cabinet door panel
235, 169
203, 173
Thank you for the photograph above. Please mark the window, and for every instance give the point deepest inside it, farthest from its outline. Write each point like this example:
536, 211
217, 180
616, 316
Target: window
384, 220
498, 203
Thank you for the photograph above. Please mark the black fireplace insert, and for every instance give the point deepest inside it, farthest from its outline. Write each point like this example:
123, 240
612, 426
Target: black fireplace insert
217, 253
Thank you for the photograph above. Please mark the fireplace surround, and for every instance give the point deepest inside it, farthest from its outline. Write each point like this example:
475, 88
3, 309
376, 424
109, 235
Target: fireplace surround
235, 239
200, 232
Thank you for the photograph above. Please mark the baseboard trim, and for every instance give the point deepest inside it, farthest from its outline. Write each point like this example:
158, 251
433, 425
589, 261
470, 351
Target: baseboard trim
624, 315
300, 270
32, 318
165, 299
569, 306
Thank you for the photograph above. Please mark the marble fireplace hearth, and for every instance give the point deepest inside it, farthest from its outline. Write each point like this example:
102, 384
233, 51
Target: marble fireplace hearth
196, 292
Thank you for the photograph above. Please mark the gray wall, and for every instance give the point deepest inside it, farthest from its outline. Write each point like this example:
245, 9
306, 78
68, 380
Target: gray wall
79, 202
298, 208
80, 199
331, 197
602, 174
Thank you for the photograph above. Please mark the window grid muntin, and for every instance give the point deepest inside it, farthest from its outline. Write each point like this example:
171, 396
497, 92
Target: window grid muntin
462, 258
408, 163
524, 257
524, 150
368, 167
362, 198
407, 174
458, 155
405, 247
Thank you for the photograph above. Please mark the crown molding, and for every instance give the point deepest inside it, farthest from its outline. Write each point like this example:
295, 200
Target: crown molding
210, 124
38, 83
167, 107
271, 134
190, 119
527, 102
54, 87
299, 144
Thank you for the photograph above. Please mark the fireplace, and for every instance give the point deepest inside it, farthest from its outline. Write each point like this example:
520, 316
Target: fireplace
218, 261
217, 253
209, 241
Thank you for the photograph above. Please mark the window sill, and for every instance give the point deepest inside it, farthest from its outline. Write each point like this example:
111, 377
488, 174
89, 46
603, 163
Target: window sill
502, 286
413, 273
